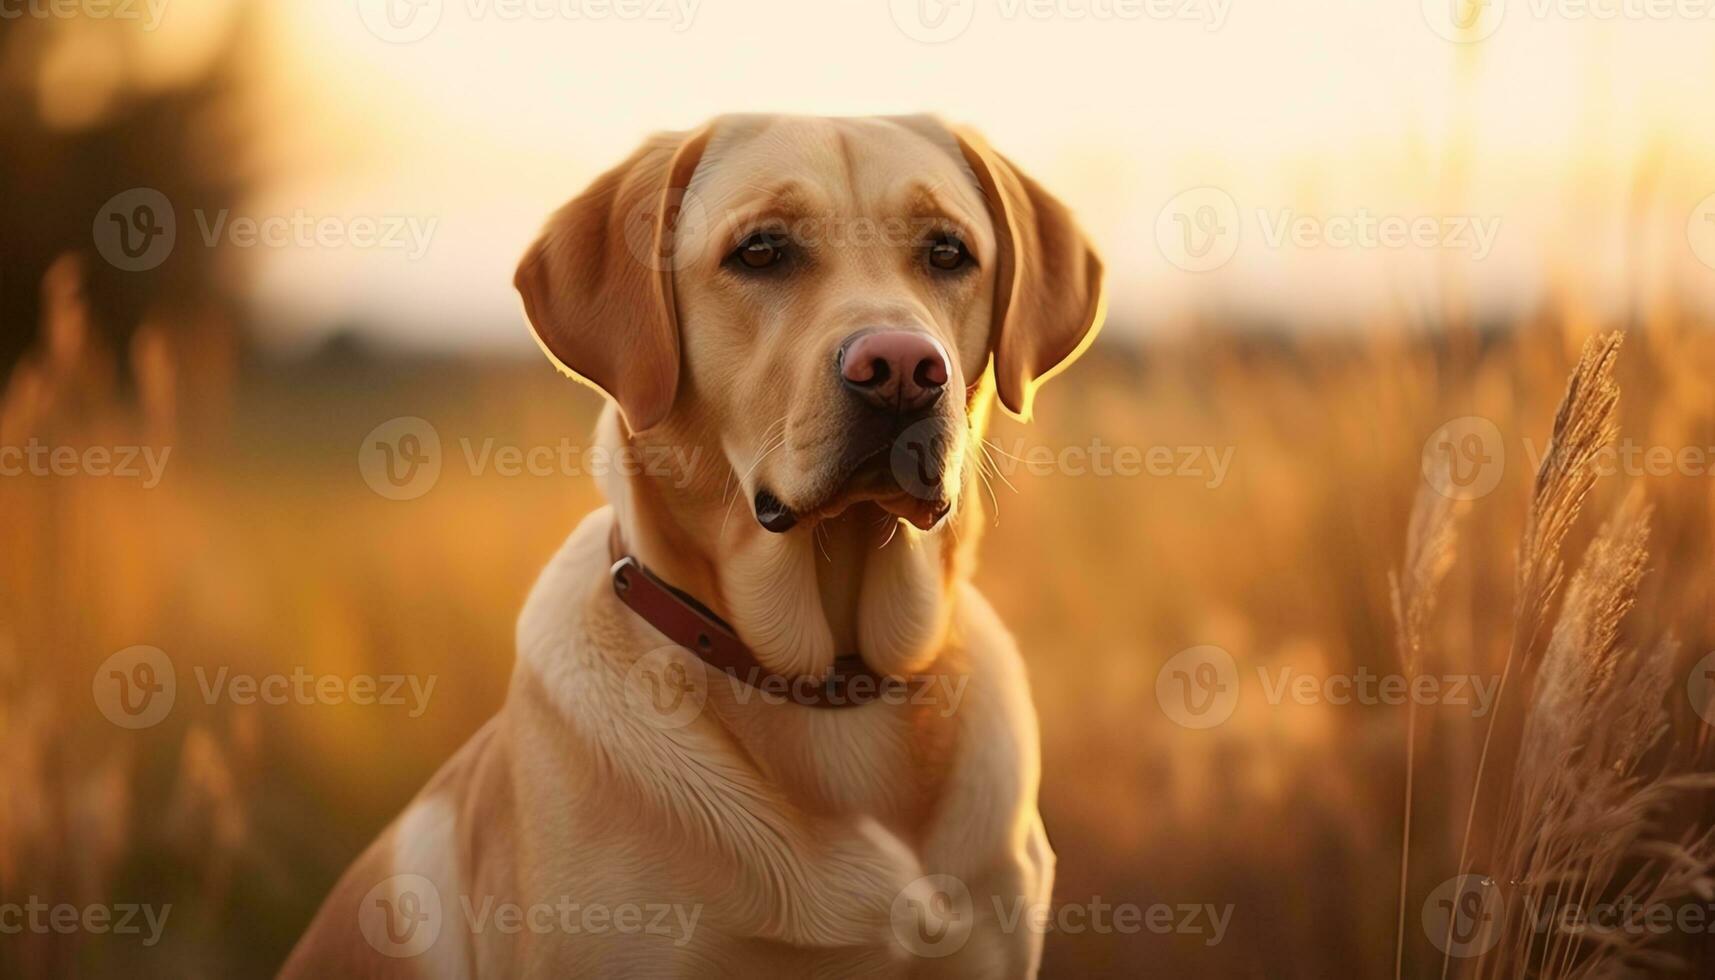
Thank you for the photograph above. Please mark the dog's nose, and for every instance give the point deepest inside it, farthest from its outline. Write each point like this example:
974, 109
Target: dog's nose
896, 370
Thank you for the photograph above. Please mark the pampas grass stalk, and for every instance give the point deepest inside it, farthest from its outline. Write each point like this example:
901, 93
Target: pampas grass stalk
1586, 799
1586, 423
1429, 554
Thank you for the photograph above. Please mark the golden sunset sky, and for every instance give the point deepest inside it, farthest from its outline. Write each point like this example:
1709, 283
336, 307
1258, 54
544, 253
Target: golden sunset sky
1575, 136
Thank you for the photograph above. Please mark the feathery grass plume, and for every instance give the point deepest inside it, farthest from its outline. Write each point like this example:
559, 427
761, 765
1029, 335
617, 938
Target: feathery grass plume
1585, 424
1580, 660
1581, 847
1430, 549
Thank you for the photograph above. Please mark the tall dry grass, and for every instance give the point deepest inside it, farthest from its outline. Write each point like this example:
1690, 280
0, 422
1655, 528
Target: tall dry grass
263, 549
1598, 769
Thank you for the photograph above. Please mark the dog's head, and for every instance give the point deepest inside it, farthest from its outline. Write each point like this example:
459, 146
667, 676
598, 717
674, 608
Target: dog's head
826, 295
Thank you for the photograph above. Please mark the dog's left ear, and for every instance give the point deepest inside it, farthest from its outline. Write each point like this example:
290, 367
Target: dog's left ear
598, 284
1049, 303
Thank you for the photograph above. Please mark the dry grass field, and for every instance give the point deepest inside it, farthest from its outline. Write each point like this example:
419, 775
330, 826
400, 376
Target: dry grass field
261, 549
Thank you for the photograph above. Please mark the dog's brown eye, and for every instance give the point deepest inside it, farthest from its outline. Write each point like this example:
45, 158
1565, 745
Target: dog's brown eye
761, 250
947, 254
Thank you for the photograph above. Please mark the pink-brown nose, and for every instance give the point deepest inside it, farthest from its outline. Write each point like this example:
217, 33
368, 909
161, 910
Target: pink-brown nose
896, 370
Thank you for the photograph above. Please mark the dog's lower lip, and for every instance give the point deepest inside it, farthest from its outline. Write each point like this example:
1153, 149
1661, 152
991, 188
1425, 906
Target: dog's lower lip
920, 513
772, 514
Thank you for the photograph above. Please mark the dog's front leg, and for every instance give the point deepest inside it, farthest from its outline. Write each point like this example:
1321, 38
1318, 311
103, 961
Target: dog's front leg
991, 867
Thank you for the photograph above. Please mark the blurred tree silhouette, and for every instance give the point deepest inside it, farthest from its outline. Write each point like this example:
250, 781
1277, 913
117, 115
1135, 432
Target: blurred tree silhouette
88, 117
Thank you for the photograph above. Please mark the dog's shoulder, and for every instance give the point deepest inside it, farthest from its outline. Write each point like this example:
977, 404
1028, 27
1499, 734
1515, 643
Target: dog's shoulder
575, 638
985, 642
557, 605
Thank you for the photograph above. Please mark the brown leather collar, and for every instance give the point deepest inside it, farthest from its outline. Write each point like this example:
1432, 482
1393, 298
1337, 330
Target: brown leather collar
681, 618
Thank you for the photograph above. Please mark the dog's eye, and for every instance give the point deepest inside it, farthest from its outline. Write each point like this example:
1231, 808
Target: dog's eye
761, 250
948, 253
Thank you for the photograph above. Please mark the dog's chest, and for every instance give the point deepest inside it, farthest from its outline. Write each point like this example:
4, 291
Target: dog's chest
887, 761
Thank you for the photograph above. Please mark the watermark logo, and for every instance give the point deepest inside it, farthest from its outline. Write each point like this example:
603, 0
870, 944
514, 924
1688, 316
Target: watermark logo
1700, 687
919, 458
938, 21
1462, 916
932, 21
400, 21
666, 233
400, 459
135, 688
401, 916
666, 687
1700, 231
135, 230
1464, 21
1198, 230
1465, 458
932, 917
1198, 688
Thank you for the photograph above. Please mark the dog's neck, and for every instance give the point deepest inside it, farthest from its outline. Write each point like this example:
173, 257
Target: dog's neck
862, 583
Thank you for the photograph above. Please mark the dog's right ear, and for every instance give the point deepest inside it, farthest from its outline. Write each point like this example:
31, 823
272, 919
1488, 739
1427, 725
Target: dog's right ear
1049, 300
598, 283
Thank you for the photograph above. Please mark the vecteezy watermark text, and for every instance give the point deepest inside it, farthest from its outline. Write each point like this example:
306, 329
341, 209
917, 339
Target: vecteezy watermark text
1199, 688
407, 21
1465, 458
301, 229
667, 688
937, 21
149, 12
136, 230
1201, 229
138, 686
935, 915
304, 688
565, 915
403, 916
35, 458
1470, 21
1099, 459
401, 459
1466, 915
33, 915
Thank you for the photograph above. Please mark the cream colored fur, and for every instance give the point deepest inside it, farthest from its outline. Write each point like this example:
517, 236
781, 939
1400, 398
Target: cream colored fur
787, 840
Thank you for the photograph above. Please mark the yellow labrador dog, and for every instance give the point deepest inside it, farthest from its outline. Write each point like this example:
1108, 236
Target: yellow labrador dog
794, 741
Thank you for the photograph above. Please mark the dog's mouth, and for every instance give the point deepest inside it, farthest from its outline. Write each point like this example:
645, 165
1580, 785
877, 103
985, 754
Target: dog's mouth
903, 475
